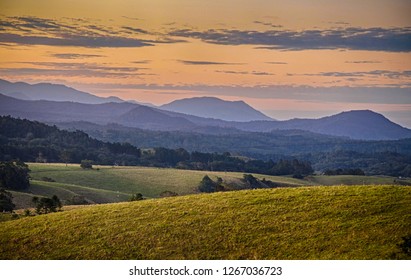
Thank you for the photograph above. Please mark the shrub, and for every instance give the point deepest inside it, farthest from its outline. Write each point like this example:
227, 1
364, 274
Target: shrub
46, 205
136, 197
86, 164
6, 201
168, 194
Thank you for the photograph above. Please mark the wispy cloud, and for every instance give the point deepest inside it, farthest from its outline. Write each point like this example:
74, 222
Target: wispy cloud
132, 30
379, 73
197, 62
141, 61
86, 33
257, 73
364, 61
276, 62
269, 24
351, 38
75, 55
333, 94
75, 32
131, 18
74, 70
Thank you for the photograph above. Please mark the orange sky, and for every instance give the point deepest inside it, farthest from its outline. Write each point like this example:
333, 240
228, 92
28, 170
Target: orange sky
286, 58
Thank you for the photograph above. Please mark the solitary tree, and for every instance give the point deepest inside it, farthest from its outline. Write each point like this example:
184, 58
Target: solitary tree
14, 175
207, 185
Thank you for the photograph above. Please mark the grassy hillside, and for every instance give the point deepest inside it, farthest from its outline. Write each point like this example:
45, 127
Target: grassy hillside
355, 180
339, 222
120, 182
107, 184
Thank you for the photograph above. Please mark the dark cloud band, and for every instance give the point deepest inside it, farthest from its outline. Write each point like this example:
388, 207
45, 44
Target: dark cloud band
371, 39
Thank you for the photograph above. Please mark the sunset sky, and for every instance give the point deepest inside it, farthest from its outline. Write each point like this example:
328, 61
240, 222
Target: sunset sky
286, 58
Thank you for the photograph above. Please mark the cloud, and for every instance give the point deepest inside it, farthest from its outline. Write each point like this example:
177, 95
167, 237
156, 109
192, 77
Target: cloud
276, 62
131, 18
379, 73
75, 41
257, 73
364, 61
333, 94
267, 24
135, 30
74, 55
350, 38
86, 33
196, 62
74, 70
75, 32
141, 61
339, 22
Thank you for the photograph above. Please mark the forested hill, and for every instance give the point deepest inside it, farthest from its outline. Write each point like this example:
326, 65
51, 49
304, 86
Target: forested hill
273, 154
37, 142
34, 141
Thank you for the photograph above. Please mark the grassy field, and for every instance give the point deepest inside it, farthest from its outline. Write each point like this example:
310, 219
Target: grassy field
339, 222
106, 184
354, 180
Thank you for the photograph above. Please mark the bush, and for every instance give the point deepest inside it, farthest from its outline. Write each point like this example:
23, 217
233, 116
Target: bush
27, 212
208, 186
168, 194
47, 179
404, 249
78, 200
46, 205
136, 197
86, 164
6, 201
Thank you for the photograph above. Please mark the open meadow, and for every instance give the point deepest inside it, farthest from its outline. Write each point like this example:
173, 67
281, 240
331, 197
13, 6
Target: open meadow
108, 184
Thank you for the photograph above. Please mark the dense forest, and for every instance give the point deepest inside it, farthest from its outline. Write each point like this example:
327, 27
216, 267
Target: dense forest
278, 153
385, 157
37, 142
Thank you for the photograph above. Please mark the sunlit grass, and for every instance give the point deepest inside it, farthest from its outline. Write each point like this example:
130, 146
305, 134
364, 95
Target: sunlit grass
339, 222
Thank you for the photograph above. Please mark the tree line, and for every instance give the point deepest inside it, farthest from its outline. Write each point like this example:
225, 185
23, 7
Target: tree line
384, 157
32, 141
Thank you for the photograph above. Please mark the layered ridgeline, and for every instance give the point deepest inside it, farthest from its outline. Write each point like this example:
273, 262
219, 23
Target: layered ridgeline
34, 141
52, 92
38, 102
211, 107
356, 222
268, 153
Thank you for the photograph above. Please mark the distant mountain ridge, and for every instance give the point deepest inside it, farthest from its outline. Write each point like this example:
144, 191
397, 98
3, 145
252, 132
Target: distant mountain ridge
212, 107
359, 124
356, 124
51, 92
192, 113
362, 125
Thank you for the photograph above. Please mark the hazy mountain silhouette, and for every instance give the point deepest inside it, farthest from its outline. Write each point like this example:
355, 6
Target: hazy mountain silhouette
211, 107
358, 124
51, 92
366, 125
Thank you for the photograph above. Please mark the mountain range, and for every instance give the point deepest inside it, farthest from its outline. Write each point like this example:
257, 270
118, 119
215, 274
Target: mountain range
51, 92
363, 124
211, 107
